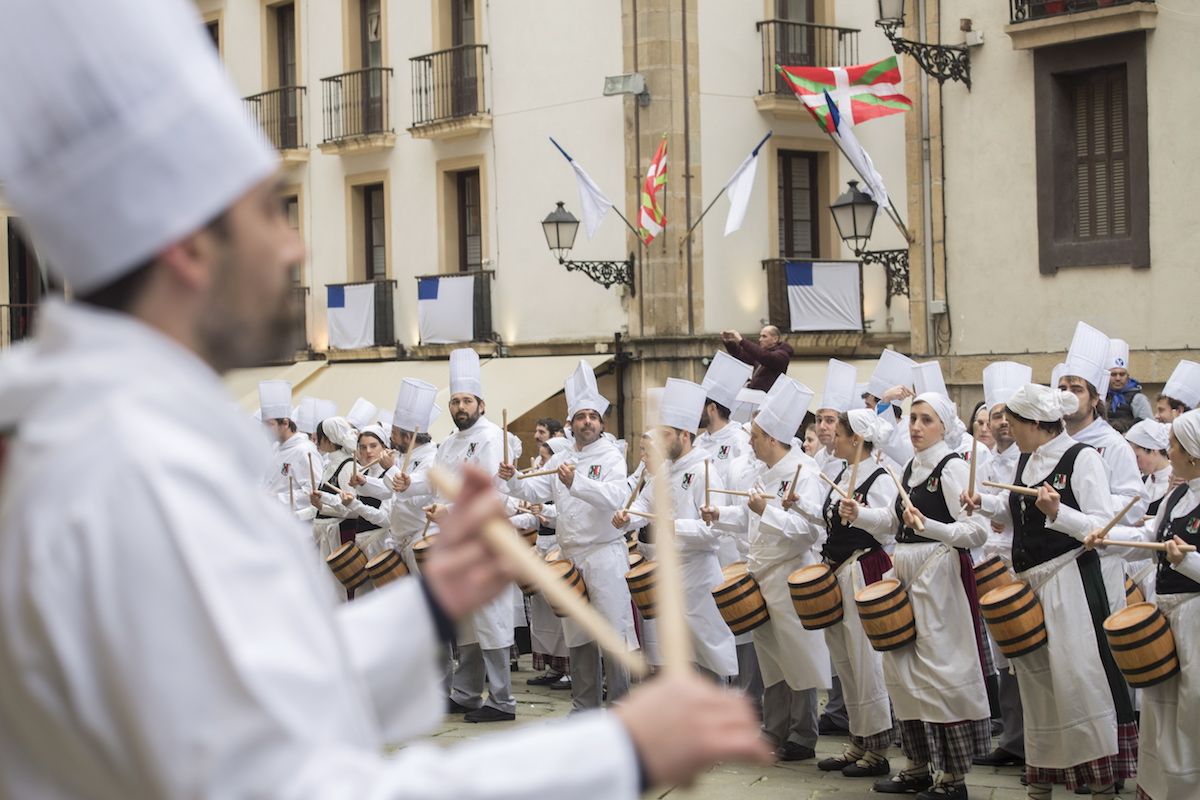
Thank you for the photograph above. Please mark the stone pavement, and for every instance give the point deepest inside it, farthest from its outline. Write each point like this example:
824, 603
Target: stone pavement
784, 781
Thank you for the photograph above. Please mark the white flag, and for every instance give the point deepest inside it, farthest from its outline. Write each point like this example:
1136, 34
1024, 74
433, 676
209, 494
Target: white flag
351, 316
445, 309
593, 202
738, 189
862, 162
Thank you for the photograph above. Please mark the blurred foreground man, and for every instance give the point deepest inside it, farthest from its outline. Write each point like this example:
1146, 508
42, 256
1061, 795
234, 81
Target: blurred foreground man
165, 627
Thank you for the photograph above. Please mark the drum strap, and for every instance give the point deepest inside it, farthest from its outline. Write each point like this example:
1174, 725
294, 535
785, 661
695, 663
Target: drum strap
940, 550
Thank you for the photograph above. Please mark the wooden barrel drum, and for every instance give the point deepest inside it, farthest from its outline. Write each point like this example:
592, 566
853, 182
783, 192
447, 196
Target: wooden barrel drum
349, 564
421, 549
635, 559
816, 596
1132, 593
386, 567
1142, 645
739, 600
1014, 618
886, 614
574, 579
991, 573
641, 587
530, 537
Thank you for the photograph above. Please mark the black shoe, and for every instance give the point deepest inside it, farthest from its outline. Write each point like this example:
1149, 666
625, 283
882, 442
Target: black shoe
998, 758
545, 679
827, 727
795, 752
454, 708
867, 769
944, 791
563, 683
903, 783
997, 727
489, 714
833, 764
1117, 787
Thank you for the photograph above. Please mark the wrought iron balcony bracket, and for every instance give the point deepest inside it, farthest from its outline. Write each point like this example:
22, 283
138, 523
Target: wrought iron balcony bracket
942, 62
605, 273
895, 266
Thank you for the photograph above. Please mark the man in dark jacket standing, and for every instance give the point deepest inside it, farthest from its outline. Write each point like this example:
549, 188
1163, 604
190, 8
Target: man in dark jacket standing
769, 357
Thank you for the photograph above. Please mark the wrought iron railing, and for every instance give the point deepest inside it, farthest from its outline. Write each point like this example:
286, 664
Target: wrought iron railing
482, 304
1026, 10
385, 318
802, 44
280, 112
16, 322
448, 84
356, 104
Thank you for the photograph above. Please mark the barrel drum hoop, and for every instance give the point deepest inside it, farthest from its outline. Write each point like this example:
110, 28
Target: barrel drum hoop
357, 581
1040, 642
885, 613
749, 591
890, 596
878, 640
993, 618
1016, 640
747, 617
1120, 647
1146, 623
799, 595
1148, 682
1162, 662
815, 623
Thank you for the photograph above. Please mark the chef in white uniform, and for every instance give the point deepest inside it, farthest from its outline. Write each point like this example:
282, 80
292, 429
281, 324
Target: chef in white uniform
679, 416
838, 395
1180, 393
794, 660
406, 471
587, 487
288, 477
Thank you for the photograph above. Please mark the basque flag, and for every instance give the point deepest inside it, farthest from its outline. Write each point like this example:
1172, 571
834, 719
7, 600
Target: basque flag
445, 309
825, 295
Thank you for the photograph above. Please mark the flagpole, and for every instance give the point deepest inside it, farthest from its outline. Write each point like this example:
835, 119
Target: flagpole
721, 193
890, 208
614, 209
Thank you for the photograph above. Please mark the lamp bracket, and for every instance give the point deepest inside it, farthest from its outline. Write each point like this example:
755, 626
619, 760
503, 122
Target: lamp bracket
605, 273
942, 62
895, 266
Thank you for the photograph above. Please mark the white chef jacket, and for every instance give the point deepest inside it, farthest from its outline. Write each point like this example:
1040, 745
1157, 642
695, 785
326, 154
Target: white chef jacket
291, 458
723, 447
166, 630
1120, 464
408, 507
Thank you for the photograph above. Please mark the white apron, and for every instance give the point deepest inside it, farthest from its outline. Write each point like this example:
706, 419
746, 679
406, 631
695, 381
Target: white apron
711, 637
1112, 567
650, 647
603, 567
787, 651
545, 629
1069, 714
491, 627
1169, 741
937, 678
859, 666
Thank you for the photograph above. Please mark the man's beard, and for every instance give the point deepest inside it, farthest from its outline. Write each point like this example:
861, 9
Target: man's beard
273, 335
466, 421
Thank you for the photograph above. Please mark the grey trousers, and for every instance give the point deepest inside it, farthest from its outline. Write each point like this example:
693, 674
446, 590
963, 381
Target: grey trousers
749, 677
835, 707
790, 715
477, 666
1012, 739
587, 680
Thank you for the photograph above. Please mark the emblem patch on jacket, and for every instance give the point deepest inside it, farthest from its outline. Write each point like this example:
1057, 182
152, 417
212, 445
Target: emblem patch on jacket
1060, 481
783, 489
931, 485
594, 472
1193, 525
687, 480
723, 451
471, 449
285, 469
1100, 450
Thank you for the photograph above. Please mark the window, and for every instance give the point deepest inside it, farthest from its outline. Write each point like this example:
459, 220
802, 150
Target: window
291, 210
371, 33
214, 32
798, 196
26, 286
285, 43
374, 232
470, 221
1092, 154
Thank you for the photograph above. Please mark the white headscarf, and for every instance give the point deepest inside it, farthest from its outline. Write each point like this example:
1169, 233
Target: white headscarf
1041, 403
869, 425
1186, 428
340, 432
947, 412
1150, 434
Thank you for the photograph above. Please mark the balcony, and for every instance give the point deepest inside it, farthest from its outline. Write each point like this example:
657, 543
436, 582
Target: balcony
16, 322
799, 44
1044, 23
280, 112
481, 309
357, 111
301, 343
448, 93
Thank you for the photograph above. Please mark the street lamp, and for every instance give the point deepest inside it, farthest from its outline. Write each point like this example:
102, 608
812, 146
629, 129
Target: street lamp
854, 214
942, 62
560, 228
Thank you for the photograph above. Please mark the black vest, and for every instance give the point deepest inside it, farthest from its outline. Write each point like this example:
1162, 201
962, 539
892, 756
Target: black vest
843, 540
1152, 509
1033, 542
926, 498
1187, 528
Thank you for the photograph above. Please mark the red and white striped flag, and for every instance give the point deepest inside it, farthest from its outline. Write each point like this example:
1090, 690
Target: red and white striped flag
862, 92
654, 214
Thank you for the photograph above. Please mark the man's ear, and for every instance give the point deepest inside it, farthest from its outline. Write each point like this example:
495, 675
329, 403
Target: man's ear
192, 260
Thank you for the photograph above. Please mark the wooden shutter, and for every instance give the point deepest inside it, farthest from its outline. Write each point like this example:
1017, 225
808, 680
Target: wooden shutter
1099, 102
798, 212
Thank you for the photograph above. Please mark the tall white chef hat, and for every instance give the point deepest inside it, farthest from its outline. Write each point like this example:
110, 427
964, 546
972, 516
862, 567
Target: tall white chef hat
1042, 403
1150, 434
1002, 378
782, 412
362, 413
416, 406
927, 377
464, 372
385, 419
275, 399
306, 415
748, 400
1184, 384
123, 134
726, 376
839, 393
1186, 428
326, 409
1118, 354
1088, 356
893, 369
582, 392
681, 405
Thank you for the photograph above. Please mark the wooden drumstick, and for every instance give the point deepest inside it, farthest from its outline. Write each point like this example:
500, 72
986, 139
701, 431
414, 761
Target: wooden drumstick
1159, 546
531, 569
792, 488
412, 445
707, 487
675, 640
1025, 490
1120, 516
971, 473
641, 514
636, 491
734, 492
854, 468
291, 491
504, 418
537, 474
312, 474
904, 496
833, 485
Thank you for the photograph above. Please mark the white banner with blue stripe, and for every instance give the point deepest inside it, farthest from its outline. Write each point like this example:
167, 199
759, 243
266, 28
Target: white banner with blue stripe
351, 315
446, 309
825, 295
